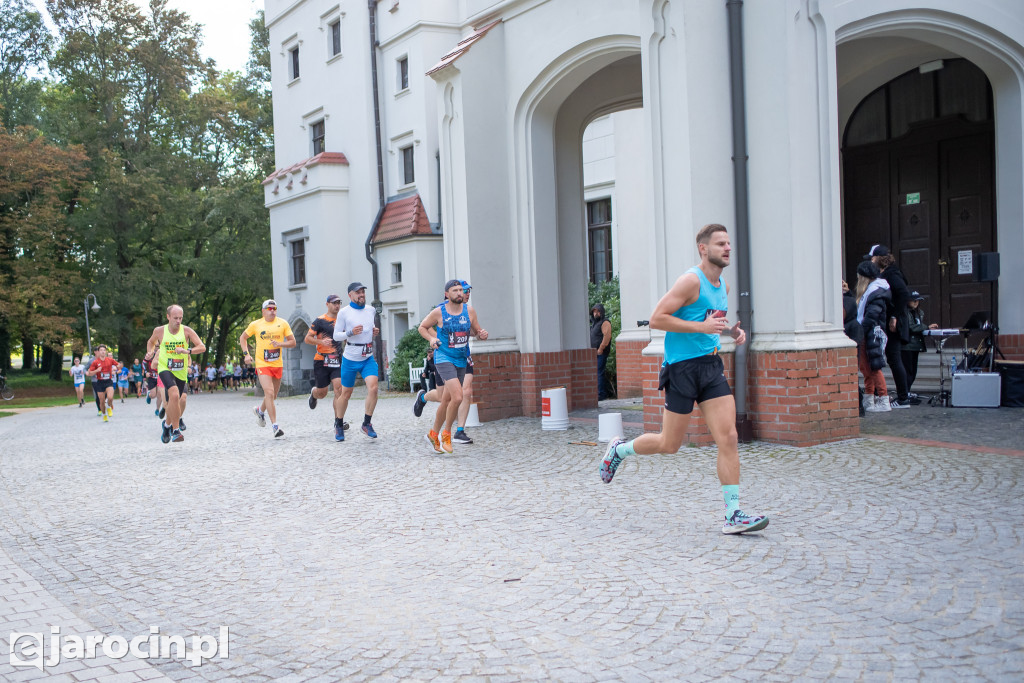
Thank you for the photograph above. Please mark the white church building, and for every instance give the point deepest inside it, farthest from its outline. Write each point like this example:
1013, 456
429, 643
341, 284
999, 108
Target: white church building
529, 146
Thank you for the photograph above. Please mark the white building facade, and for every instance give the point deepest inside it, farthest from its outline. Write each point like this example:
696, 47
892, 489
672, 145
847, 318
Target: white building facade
866, 121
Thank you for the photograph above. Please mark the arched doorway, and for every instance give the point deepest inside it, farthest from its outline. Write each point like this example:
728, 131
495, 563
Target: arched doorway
918, 176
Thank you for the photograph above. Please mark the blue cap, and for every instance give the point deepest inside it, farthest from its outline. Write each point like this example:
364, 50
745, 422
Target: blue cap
465, 285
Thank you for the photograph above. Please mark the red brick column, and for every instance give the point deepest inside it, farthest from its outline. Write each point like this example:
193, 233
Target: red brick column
799, 398
1012, 346
509, 384
629, 380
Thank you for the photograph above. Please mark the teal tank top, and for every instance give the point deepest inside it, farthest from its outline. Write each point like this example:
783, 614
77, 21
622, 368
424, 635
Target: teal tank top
712, 301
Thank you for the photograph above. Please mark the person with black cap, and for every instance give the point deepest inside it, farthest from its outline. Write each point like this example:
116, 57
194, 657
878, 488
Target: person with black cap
872, 304
356, 327
448, 328
897, 328
327, 363
272, 334
601, 339
913, 349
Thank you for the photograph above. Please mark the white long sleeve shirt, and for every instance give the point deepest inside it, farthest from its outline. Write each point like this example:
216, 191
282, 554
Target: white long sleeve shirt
359, 346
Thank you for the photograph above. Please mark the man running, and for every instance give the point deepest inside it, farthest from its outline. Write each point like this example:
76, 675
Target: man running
173, 344
327, 363
693, 314
448, 328
77, 373
355, 326
104, 369
137, 378
423, 396
237, 375
122, 380
152, 379
272, 334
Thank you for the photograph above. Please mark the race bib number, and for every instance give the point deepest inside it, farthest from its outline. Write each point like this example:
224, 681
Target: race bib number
458, 339
331, 360
175, 363
271, 354
104, 375
367, 351
714, 313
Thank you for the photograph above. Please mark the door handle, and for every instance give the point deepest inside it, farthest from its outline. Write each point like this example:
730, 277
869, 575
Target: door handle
943, 262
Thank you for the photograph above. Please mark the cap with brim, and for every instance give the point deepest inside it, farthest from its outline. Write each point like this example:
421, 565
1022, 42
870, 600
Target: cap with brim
356, 286
916, 296
269, 302
465, 285
331, 298
452, 283
877, 250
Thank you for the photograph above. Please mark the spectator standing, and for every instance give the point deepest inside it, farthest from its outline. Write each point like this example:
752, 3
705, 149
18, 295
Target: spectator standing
897, 327
854, 331
873, 298
601, 339
916, 345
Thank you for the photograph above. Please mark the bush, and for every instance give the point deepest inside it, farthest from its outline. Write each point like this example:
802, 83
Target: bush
607, 293
412, 348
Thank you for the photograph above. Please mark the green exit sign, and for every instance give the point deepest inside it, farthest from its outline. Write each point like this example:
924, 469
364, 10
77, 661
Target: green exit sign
914, 198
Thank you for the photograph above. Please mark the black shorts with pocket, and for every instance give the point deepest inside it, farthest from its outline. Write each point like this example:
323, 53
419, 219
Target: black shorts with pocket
323, 375
169, 380
693, 380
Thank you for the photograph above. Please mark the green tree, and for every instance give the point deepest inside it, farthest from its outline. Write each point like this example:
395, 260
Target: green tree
412, 348
25, 44
607, 293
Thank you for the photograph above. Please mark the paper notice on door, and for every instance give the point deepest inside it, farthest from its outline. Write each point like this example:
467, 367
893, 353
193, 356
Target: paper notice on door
964, 262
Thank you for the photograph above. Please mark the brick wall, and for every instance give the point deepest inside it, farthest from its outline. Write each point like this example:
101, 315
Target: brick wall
628, 368
1012, 346
799, 398
509, 384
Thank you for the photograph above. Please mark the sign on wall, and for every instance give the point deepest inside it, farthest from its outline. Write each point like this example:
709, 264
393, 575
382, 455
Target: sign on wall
964, 262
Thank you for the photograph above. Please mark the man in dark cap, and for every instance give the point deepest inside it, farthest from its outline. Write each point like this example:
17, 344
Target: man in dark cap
600, 339
898, 328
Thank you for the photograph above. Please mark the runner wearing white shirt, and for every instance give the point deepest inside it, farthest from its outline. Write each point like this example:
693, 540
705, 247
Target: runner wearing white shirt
77, 373
355, 326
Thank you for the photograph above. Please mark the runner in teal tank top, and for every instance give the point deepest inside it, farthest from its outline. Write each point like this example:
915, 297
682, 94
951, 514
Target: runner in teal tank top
694, 314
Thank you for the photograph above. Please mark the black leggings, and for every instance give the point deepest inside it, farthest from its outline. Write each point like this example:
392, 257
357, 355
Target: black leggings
894, 357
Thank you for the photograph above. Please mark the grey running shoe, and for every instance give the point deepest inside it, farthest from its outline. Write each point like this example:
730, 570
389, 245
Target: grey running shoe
181, 424
279, 432
260, 416
312, 401
165, 433
611, 461
741, 523
417, 407
461, 436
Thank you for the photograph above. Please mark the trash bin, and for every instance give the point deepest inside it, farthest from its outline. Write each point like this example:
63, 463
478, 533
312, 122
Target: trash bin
1012, 372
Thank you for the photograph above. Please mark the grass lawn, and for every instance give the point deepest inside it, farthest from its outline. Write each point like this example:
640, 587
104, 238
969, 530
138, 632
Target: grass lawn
39, 401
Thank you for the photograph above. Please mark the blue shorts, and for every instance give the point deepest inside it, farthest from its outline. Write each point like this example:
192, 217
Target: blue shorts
349, 368
122, 384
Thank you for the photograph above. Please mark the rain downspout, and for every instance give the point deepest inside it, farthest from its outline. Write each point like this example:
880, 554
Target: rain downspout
378, 345
744, 426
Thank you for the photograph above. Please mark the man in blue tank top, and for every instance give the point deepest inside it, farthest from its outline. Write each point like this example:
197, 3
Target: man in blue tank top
693, 315
448, 329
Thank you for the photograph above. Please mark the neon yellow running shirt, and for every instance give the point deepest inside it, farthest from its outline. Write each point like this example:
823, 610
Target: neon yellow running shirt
177, 363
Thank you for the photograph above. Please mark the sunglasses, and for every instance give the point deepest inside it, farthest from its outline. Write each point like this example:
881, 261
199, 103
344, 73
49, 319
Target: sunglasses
271, 308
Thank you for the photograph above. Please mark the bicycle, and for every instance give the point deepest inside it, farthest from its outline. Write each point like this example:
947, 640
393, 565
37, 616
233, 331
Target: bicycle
5, 391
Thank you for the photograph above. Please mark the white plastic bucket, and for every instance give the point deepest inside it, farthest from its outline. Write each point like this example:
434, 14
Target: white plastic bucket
554, 409
609, 426
472, 417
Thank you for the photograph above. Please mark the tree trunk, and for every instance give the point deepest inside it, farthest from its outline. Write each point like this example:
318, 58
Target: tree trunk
57, 361
28, 353
5, 346
47, 359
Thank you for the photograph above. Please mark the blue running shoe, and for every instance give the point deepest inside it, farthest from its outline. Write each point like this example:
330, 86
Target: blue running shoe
149, 399
368, 430
611, 461
741, 523
181, 424
339, 433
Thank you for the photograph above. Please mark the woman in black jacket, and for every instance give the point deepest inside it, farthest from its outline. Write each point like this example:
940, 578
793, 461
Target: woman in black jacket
873, 299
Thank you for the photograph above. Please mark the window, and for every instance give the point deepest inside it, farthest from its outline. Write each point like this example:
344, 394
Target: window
599, 239
408, 173
396, 273
294, 61
334, 31
318, 130
298, 248
403, 73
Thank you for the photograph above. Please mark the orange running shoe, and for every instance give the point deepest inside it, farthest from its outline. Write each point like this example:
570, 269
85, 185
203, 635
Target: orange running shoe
446, 441
434, 443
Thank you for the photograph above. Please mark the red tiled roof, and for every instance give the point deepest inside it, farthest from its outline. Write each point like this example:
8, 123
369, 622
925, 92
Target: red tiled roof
463, 46
321, 158
402, 218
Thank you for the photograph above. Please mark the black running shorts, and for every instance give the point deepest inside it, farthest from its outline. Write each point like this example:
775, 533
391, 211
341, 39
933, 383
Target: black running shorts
169, 380
322, 376
448, 371
151, 383
103, 385
693, 380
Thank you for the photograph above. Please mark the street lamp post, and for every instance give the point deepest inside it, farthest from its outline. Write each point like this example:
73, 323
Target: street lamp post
95, 308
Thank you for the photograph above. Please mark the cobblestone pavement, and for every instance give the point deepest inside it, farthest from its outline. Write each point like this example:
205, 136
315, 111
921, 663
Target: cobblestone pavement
506, 561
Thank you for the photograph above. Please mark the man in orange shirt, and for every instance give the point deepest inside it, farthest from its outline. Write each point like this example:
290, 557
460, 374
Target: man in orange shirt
327, 363
272, 334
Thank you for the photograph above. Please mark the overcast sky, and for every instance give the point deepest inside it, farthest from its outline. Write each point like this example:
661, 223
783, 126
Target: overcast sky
225, 27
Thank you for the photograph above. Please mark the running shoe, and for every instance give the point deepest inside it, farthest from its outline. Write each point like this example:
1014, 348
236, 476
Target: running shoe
165, 434
435, 443
279, 432
312, 401
368, 430
417, 407
339, 433
176, 436
149, 399
260, 416
446, 442
110, 411
181, 424
156, 413
344, 425
611, 461
163, 412
105, 419
462, 437
741, 523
